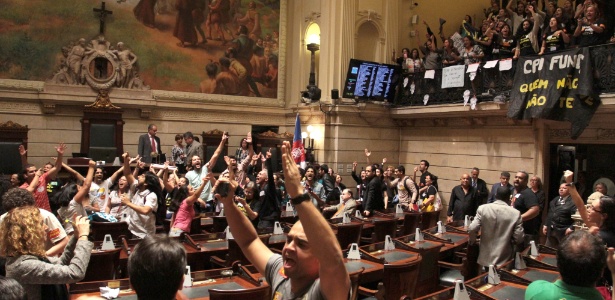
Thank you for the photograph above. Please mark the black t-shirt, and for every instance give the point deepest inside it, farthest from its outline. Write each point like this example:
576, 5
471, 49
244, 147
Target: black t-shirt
553, 42
523, 201
589, 37
526, 45
504, 47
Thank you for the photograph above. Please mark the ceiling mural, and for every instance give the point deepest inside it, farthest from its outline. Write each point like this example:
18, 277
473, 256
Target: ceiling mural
228, 47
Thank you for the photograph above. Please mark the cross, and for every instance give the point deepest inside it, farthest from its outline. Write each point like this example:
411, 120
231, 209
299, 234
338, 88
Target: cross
102, 15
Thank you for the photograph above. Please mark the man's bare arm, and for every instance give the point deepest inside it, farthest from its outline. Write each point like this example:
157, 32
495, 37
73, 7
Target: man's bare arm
334, 281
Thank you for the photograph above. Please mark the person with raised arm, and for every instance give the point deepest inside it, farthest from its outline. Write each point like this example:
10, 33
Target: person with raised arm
311, 264
40, 192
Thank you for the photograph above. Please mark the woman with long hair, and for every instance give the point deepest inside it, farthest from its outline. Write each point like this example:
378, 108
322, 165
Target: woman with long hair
554, 38
114, 205
527, 35
450, 54
599, 216
591, 30
144, 205
71, 199
242, 152
506, 43
182, 206
22, 236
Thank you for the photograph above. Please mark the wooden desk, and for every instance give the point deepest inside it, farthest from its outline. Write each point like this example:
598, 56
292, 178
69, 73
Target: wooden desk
199, 290
390, 256
449, 293
373, 271
207, 223
504, 290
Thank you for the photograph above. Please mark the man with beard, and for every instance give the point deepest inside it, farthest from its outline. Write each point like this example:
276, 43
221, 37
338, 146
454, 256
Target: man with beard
525, 201
328, 184
374, 198
40, 192
268, 204
193, 148
240, 170
464, 200
198, 172
311, 265
313, 187
406, 189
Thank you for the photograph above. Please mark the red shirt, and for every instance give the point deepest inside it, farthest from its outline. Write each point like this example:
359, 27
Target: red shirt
40, 193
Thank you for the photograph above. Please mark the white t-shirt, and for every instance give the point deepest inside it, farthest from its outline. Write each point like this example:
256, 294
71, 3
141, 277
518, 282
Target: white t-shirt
67, 213
55, 233
99, 194
142, 225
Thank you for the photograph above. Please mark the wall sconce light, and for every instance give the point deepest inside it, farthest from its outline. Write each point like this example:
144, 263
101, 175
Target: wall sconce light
312, 93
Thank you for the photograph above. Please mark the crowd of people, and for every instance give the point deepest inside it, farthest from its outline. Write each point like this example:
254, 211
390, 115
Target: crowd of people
519, 29
52, 246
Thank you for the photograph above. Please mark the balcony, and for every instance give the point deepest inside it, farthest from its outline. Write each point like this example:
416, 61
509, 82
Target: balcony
491, 84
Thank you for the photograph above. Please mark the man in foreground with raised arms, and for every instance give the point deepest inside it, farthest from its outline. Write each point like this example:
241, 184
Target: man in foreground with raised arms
310, 270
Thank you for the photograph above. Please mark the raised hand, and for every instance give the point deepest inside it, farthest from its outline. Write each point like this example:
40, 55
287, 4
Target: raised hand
22, 150
367, 152
227, 160
249, 137
60, 148
91, 163
292, 176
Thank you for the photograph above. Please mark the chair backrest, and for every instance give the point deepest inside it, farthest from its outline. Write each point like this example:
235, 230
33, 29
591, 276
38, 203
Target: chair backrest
355, 277
382, 228
348, 234
235, 253
471, 267
115, 229
166, 224
103, 265
400, 279
429, 275
220, 224
258, 293
429, 219
411, 222
195, 225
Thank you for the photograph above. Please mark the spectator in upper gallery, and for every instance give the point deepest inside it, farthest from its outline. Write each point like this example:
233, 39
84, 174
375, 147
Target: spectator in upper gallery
554, 38
450, 54
527, 34
505, 43
591, 30
517, 15
471, 53
432, 54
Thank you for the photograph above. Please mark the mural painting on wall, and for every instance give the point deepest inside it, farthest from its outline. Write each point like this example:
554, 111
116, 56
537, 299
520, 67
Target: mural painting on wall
209, 46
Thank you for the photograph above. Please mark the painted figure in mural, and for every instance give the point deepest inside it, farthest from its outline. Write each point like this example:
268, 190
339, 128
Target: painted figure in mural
252, 21
210, 84
244, 48
198, 17
74, 58
127, 60
184, 24
219, 18
144, 12
228, 82
258, 62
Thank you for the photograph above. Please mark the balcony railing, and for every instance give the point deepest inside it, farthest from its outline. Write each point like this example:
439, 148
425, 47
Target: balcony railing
491, 83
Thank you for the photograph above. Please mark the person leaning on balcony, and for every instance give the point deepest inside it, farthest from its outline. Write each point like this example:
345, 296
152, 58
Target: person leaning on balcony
591, 30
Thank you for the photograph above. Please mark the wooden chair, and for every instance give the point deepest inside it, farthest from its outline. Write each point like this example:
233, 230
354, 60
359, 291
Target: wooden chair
103, 265
397, 280
234, 254
468, 268
355, 278
258, 293
411, 222
382, 228
429, 219
348, 234
220, 224
429, 270
100, 229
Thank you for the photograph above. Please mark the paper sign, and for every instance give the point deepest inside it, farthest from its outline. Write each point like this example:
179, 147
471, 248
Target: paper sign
453, 76
473, 68
490, 64
505, 64
430, 74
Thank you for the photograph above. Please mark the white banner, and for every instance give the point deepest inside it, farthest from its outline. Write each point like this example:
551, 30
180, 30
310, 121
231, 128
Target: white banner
453, 76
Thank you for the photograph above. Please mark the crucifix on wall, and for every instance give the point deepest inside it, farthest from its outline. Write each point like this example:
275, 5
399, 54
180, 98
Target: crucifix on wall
102, 15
